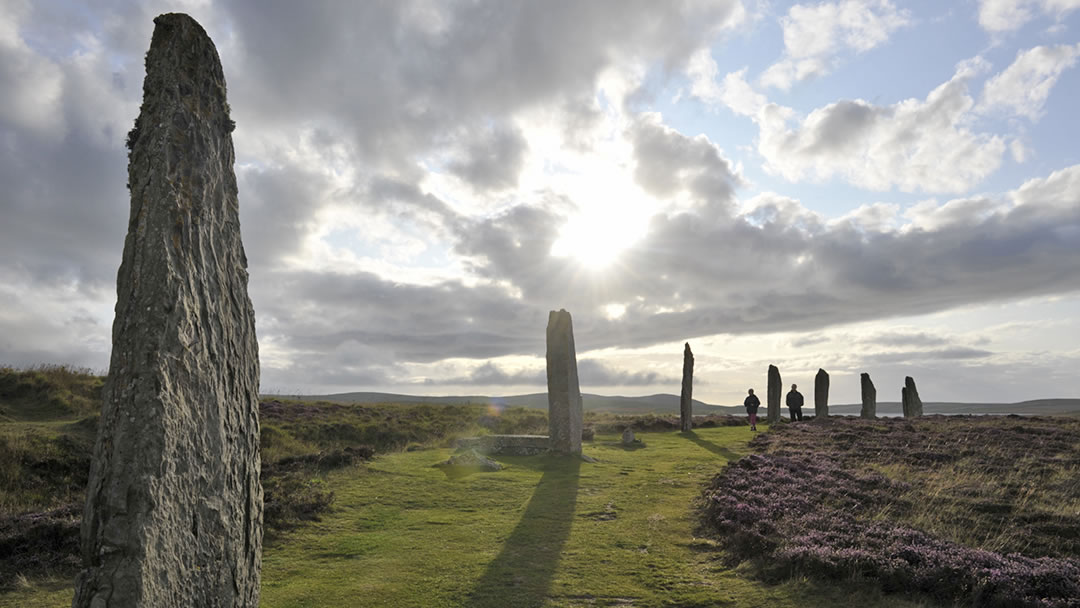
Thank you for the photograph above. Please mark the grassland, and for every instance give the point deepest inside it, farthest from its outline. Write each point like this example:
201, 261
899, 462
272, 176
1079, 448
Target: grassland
358, 514
542, 532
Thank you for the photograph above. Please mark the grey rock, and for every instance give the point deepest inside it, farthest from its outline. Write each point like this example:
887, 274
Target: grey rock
511, 445
773, 395
565, 420
821, 394
173, 512
910, 401
686, 402
472, 459
869, 397
628, 436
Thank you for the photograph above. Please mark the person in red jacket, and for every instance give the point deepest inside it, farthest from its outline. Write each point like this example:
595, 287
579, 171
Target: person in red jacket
751, 403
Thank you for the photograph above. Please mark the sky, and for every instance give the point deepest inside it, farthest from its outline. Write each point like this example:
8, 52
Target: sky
859, 186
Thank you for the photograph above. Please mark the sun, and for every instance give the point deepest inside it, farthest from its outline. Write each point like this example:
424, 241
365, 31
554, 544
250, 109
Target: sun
595, 240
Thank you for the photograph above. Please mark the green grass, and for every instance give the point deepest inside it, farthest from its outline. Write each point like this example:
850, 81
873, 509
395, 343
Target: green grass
49, 392
545, 531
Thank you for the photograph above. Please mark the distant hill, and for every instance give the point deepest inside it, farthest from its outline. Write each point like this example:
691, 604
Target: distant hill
662, 403
666, 403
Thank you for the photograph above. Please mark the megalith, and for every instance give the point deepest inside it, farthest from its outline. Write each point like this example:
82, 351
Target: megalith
686, 402
869, 397
910, 401
773, 395
173, 513
821, 394
564, 392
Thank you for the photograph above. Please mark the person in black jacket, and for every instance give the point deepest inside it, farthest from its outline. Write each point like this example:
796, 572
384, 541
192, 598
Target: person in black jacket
751, 403
794, 402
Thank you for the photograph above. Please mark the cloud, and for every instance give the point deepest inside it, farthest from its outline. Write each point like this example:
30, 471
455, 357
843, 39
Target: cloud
814, 35
733, 92
492, 159
914, 145
1023, 87
1008, 15
591, 373
668, 163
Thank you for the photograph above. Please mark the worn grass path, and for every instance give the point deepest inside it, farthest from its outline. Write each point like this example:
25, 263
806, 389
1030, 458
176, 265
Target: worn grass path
542, 532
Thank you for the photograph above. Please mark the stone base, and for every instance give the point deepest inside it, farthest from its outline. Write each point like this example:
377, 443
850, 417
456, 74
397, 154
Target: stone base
510, 445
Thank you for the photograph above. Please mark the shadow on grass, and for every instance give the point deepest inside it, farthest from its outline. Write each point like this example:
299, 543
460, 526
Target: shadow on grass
521, 574
708, 445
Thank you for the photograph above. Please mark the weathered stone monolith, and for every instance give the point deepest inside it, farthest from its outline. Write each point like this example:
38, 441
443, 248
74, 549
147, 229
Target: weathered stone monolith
869, 397
773, 395
564, 393
821, 394
686, 402
910, 401
173, 513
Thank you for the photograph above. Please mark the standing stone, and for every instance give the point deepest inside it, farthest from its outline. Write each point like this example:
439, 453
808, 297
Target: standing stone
821, 394
564, 393
173, 513
869, 398
910, 399
628, 436
773, 395
686, 402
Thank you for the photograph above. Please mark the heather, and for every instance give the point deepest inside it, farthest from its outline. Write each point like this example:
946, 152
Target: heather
975, 511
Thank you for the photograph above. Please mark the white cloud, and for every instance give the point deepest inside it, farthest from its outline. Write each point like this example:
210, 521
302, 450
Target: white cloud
1019, 151
1023, 87
874, 217
815, 34
1008, 15
733, 91
914, 145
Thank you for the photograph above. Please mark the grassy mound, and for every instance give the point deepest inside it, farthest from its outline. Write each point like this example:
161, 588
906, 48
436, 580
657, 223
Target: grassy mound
980, 511
49, 392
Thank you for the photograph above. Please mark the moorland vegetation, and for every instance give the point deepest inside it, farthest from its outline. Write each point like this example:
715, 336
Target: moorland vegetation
937, 511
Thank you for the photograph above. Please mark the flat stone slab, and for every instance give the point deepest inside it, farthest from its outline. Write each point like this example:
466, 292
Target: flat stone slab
510, 445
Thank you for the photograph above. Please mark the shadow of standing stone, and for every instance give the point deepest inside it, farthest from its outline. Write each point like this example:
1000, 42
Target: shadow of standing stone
521, 575
173, 513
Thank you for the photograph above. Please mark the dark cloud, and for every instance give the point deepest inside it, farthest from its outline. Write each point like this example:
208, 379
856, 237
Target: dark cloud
592, 372
668, 162
397, 76
492, 160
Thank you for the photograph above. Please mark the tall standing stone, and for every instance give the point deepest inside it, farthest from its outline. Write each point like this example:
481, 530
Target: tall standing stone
821, 394
686, 402
773, 395
564, 393
173, 513
869, 397
910, 401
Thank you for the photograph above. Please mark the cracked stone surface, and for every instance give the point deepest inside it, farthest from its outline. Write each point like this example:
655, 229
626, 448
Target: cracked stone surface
773, 395
565, 417
686, 399
909, 399
869, 397
821, 394
173, 513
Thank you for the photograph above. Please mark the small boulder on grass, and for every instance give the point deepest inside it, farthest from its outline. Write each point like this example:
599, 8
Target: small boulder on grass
471, 459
